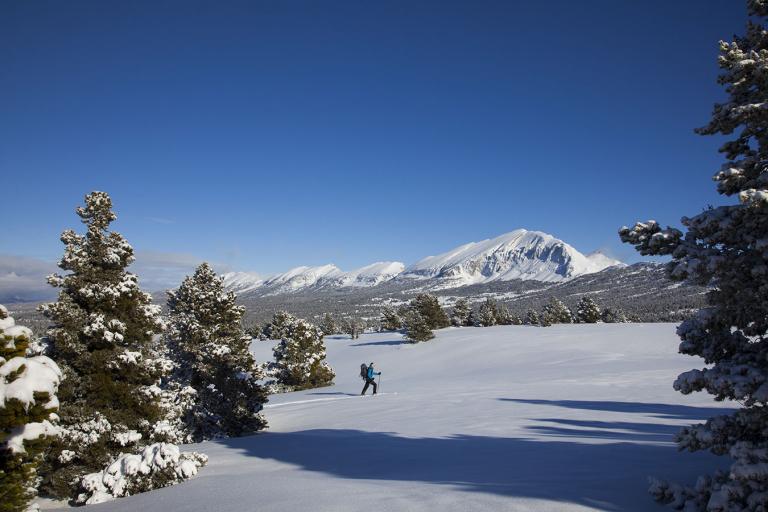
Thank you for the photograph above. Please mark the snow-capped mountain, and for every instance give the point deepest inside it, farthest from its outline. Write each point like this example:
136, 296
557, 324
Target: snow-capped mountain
521, 254
302, 278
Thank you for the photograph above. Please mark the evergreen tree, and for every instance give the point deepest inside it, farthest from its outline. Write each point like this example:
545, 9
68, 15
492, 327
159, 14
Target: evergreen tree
352, 326
531, 317
725, 247
503, 316
212, 357
557, 312
27, 405
588, 312
390, 320
473, 320
328, 325
416, 327
429, 308
614, 316
544, 319
278, 328
461, 311
101, 337
300, 358
488, 313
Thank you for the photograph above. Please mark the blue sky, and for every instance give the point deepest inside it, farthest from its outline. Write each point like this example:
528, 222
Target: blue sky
266, 135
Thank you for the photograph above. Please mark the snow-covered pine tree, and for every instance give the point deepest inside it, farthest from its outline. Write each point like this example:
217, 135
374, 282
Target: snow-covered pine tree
102, 339
557, 312
390, 320
531, 317
429, 308
300, 358
211, 355
488, 313
279, 327
328, 325
587, 311
727, 248
614, 316
416, 327
461, 311
28, 404
503, 316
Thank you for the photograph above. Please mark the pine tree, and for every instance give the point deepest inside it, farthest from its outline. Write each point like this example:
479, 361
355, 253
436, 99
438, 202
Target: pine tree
614, 316
352, 326
503, 316
390, 320
557, 312
488, 313
587, 311
211, 356
416, 327
545, 320
27, 405
461, 311
103, 326
278, 328
429, 308
531, 317
300, 358
328, 325
725, 247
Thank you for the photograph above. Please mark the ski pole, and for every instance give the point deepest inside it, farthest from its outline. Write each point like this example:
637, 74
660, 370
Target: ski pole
379, 381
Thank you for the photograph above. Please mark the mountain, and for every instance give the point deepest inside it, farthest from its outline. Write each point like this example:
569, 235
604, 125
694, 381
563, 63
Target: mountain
521, 254
306, 278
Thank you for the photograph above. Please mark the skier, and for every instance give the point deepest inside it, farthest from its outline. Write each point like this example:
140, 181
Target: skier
370, 377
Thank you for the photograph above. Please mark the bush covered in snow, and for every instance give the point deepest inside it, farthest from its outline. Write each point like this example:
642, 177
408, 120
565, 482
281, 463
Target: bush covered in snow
28, 405
557, 312
727, 247
213, 365
158, 465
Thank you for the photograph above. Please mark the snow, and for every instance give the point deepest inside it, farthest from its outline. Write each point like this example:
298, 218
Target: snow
301, 278
569, 418
22, 377
520, 254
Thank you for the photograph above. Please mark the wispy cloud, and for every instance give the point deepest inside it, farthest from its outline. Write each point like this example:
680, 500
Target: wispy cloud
160, 220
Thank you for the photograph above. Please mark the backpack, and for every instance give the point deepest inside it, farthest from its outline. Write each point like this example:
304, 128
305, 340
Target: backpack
364, 371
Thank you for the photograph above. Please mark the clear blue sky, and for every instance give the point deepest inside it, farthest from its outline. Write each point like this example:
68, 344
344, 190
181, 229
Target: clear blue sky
266, 135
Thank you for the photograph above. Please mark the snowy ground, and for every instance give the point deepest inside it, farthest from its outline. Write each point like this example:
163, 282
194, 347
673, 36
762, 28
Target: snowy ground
565, 418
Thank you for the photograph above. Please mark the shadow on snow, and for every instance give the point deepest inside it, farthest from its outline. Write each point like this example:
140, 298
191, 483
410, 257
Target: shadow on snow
612, 475
382, 343
666, 411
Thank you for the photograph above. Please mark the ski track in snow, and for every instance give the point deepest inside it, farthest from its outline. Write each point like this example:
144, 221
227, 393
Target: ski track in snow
569, 418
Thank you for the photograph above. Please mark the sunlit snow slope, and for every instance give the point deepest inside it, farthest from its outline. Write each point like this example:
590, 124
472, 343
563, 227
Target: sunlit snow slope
565, 418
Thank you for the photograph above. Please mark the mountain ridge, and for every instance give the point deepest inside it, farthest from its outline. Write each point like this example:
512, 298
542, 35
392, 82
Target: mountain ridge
519, 254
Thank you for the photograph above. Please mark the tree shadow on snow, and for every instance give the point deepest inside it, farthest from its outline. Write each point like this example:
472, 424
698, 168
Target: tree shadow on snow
609, 430
382, 343
612, 476
666, 411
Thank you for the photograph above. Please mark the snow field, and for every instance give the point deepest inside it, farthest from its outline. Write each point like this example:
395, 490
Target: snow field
513, 418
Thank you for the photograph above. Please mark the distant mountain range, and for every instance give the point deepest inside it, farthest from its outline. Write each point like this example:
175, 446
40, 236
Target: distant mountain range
519, 255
